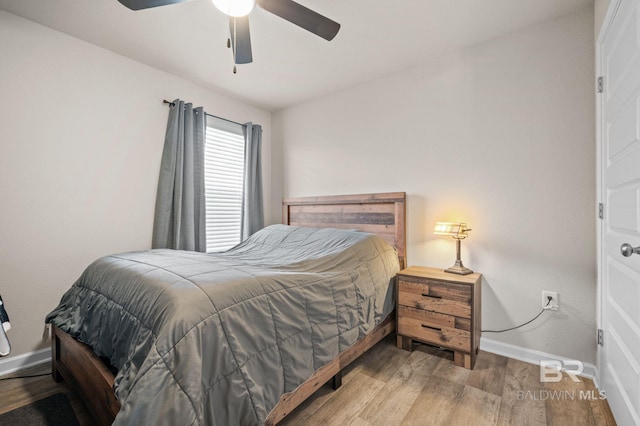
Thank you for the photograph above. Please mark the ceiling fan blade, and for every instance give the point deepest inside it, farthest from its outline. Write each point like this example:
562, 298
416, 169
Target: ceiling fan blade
147, 4
303, 17
240, 39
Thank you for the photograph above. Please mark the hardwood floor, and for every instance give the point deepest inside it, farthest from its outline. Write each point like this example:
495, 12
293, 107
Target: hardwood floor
16, 393
389, 386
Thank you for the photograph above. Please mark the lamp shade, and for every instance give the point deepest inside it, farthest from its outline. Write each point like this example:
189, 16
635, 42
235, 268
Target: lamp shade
235, 7
457, 230
452, 229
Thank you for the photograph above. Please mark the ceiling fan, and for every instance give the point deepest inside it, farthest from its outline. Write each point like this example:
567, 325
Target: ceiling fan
237, 10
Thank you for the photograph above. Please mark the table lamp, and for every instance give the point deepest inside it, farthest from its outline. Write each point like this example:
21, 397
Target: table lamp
458, 231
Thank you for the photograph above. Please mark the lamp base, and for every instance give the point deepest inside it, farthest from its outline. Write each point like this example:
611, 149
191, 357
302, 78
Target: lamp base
459, 269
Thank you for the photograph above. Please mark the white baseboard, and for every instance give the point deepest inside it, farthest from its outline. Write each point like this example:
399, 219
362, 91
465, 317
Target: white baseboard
533, 356
19, 362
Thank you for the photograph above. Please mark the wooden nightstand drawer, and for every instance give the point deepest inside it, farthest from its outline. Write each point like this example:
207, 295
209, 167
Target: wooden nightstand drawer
451, 299
435, 334
445, 290
435, 318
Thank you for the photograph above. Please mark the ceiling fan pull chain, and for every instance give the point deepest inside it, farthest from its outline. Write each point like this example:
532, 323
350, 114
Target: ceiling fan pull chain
235, 46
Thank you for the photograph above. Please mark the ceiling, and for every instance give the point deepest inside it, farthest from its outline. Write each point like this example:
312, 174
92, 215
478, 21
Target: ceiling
290, 65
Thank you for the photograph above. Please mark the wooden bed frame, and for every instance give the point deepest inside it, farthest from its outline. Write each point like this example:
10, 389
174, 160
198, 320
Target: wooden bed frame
382, 214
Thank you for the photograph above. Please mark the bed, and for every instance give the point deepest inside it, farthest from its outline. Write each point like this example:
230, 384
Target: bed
154, 383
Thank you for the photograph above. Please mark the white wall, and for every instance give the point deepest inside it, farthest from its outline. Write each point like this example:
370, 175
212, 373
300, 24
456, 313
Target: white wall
82, 131
500, 135
600, 11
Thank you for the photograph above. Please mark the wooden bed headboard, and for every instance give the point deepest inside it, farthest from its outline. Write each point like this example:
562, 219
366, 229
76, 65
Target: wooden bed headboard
382, 214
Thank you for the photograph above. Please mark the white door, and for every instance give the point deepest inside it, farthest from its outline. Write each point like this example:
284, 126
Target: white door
619, 122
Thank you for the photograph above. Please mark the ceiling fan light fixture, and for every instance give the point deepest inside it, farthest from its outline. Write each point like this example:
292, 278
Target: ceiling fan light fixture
235, 7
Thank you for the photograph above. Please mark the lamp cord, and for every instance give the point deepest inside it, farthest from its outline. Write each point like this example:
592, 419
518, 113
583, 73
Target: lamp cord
521, 325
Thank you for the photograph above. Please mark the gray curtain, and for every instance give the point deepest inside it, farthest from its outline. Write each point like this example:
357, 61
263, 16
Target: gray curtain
252, 208
179, 221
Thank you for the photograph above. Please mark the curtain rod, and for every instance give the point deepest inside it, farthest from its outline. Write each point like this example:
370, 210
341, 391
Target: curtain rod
172, 104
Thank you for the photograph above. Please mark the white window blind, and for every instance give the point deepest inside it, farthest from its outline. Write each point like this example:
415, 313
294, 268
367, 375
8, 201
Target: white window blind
224, 180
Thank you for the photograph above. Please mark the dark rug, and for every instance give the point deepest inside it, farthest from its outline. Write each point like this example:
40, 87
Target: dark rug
54, 410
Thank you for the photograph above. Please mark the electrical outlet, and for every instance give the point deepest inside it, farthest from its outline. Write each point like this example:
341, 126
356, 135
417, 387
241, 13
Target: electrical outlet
554, 304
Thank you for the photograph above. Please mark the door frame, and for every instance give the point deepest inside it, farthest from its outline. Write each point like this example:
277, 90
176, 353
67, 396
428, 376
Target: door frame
611, 13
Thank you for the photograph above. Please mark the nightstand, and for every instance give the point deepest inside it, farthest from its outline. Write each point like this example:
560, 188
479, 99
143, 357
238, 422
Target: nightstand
441, 309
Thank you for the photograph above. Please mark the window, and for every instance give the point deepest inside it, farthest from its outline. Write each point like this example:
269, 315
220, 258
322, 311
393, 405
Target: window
223, 183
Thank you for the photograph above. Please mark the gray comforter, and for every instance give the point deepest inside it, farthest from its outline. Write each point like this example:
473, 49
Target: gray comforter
216, 339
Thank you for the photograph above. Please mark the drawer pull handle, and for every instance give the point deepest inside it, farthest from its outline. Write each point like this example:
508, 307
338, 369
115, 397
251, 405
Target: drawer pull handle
429, 295
431, 328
